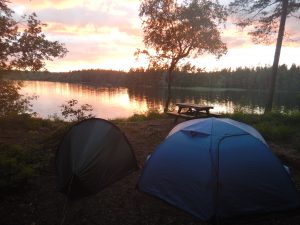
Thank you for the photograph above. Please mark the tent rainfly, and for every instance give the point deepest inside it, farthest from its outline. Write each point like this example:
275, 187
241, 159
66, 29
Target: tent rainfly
218, 168
93, 154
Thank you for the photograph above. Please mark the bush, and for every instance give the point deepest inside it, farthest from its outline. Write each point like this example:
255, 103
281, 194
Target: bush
24, 121
296, 141
275, 126
275, 132
14, 173
15, 166
245, 117
149, 115
72, 112
11, 101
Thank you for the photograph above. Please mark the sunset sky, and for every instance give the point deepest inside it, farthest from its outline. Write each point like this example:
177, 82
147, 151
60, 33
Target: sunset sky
105, 34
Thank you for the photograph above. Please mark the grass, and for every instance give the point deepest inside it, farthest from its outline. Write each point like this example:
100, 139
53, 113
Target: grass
25, 121
150, 115
24, 148
277, 127
25, 142
16, 166
209, 89
281, 128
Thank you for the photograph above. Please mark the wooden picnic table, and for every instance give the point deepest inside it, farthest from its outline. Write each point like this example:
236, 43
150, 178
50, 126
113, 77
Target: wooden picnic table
191, 111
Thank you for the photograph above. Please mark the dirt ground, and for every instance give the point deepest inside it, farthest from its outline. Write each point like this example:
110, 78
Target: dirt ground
121, 203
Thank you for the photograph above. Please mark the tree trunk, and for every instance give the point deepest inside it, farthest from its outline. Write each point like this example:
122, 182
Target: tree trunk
169, 80
273, 77
169, 93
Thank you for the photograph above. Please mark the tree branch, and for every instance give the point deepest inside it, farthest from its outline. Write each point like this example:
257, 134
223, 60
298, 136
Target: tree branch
259, 11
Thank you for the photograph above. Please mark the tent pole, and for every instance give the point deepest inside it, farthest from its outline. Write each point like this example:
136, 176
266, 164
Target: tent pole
218, 221
66, 202
218, 218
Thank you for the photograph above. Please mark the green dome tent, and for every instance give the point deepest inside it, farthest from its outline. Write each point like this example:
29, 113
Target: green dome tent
93, 154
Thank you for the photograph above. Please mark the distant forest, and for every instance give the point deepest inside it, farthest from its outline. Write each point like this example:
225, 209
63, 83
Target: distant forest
241, 78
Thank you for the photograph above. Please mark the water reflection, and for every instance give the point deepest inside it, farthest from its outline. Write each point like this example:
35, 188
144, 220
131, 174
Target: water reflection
110, 103
107, 102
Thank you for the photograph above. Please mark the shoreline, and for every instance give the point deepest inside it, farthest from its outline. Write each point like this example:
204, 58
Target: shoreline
195, 88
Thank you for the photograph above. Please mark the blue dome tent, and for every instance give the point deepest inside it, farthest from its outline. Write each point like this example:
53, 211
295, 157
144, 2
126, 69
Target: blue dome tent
218, 168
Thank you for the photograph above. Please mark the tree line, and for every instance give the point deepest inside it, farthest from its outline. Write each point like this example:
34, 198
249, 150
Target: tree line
241, 78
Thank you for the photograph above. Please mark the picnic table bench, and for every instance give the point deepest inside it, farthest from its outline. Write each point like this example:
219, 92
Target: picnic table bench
192, 111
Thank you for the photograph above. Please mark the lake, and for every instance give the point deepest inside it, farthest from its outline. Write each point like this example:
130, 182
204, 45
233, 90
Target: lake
111, 102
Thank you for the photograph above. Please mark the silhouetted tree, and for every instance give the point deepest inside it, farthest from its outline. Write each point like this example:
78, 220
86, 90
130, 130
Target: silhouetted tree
11, 101
71, 111
266, 17
173, 31
25, 49
22, 49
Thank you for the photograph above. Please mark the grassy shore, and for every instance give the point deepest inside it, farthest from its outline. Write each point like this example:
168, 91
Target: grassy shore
280, 128
28, 180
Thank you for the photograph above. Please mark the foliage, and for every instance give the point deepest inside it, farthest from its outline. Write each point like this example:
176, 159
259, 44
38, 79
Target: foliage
282, 128
174, 31
15, 166
27, 122
240, 78
267, 17
26, 148
13, 172
71, 112
262, 17
149, 115
11, 101
25, 48
277, 127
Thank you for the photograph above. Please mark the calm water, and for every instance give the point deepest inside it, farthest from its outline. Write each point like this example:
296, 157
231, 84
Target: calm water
110, 103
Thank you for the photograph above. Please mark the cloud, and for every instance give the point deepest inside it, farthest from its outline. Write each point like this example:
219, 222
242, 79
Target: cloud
109, 49
235, 37
105, 34
82, 17
58, 4
102, 36
123, 15
99, 5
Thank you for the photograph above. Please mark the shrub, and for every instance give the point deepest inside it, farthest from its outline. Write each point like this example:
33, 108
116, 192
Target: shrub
149, 115
275, 132
14, 173
279, 127
11, 101
15, 166
72, 112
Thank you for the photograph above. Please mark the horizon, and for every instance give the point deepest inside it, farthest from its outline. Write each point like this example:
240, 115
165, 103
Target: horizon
107, 33
145, 70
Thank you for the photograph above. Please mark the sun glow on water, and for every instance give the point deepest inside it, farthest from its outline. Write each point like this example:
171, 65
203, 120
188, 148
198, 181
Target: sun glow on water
108, 103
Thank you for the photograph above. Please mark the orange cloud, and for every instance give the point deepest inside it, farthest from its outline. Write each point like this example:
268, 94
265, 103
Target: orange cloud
106, 33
